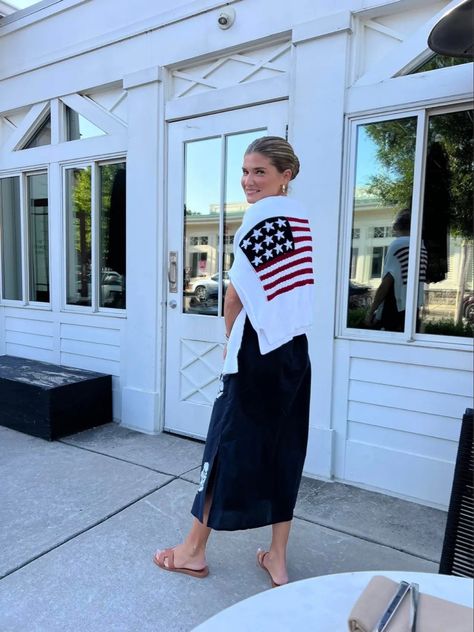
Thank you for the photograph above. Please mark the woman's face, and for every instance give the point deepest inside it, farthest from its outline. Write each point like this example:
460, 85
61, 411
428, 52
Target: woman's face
260, 178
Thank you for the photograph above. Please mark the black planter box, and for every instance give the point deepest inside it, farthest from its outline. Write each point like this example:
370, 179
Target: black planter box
50, 401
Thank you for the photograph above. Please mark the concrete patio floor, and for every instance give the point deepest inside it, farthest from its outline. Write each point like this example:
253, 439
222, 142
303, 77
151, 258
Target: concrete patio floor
81, 517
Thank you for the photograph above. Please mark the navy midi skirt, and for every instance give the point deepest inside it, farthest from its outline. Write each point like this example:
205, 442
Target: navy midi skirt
257, 438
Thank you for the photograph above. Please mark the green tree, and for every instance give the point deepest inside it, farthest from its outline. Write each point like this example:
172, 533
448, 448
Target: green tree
395, 142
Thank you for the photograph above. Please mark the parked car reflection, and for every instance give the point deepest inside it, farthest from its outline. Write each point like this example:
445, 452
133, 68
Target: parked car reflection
112, 289
206, 288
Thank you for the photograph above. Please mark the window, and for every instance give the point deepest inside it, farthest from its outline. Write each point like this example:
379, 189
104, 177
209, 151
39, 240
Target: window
354, 257
382, 231
442, 298
447, 229
79, 236
378, 256
96, 281
199, 240
11, 239
25, 230
38, 237
439, 61
42, 136
383, 186
78, 127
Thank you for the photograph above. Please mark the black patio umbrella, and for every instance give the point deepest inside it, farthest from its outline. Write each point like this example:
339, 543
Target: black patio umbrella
453, 35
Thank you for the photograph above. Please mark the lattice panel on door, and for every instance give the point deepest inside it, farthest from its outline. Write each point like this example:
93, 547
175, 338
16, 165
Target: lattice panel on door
200, 363
232, 69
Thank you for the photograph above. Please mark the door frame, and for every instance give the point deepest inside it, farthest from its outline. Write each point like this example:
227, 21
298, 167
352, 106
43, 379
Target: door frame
166, 341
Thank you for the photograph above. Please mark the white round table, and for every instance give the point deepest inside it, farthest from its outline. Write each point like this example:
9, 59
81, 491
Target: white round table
323, 604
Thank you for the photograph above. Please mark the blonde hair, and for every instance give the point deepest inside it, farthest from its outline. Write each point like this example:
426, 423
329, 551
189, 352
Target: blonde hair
278, 151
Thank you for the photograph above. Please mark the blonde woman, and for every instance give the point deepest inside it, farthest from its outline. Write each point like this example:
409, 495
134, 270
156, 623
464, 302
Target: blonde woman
256, 444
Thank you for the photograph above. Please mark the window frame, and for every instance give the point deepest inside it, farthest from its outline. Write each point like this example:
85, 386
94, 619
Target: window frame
25, 241
94, 308
409, 335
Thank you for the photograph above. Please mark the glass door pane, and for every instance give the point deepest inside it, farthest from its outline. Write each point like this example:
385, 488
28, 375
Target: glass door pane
37, 186
235, 203
201, 226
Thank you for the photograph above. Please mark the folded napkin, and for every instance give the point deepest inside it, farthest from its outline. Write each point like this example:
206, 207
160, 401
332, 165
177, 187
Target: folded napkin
434, 614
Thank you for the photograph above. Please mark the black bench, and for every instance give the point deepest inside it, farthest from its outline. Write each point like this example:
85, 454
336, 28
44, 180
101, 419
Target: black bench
51, 401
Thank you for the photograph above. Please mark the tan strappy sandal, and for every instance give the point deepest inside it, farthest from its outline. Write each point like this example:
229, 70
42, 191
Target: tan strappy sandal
167, 555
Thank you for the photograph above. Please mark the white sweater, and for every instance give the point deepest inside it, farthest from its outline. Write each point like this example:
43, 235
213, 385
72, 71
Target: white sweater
273, 275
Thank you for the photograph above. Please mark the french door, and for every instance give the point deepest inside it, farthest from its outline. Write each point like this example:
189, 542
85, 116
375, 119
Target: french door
205, 208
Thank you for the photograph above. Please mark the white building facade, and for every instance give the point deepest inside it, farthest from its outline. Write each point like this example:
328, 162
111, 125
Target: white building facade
122, 130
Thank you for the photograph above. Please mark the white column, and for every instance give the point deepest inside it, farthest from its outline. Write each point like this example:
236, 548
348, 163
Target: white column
317, 107
141, 396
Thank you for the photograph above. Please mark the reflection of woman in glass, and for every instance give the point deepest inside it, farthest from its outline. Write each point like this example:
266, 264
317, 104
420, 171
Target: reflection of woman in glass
388, 307
256, 444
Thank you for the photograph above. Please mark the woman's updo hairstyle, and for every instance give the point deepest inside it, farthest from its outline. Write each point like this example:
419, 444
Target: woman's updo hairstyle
278, 151
402, 220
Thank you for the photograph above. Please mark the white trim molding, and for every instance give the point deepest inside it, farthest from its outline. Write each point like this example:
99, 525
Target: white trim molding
406, 55
142, 77
340, 22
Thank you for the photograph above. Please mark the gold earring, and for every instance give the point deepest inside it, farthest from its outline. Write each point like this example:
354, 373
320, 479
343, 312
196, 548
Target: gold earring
283, 189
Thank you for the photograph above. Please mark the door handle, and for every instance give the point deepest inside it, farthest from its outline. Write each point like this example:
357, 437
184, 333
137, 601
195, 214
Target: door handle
173, 271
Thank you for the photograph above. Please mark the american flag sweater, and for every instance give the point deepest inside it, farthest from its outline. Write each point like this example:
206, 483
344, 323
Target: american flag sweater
273, 274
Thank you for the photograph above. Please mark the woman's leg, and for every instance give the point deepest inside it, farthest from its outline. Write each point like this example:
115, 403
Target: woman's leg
275, 559
192, 552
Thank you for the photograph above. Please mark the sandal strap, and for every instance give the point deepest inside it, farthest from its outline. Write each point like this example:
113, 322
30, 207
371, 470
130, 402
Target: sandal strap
167, 554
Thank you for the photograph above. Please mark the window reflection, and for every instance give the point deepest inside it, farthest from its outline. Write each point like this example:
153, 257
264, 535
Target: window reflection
384, 185
42, 135
201, 226
79, 127
78, 221
388, 307
447, 226
202, 214
112, 235
10, 225
235, 201
37, 186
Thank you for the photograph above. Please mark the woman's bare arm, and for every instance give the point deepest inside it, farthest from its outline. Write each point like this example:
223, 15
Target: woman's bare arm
232, 307
380, 295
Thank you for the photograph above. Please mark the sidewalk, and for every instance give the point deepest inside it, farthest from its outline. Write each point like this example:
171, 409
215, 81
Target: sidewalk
80, 519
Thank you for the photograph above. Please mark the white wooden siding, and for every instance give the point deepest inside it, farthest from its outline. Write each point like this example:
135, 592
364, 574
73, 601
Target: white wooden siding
84, 341
403, 417
95, 348
29, 337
